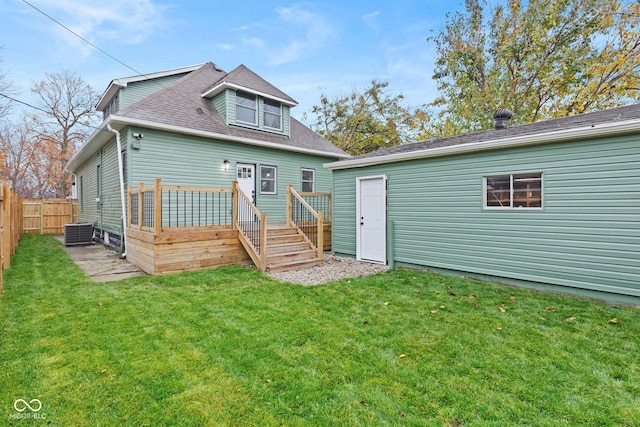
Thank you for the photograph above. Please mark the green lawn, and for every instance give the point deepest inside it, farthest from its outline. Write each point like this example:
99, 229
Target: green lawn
233, 347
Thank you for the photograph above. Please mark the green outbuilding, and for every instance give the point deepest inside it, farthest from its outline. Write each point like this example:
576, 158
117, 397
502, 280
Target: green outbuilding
552, 205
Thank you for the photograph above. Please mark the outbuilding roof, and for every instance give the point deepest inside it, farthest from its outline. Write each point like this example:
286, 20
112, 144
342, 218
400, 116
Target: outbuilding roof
582, 126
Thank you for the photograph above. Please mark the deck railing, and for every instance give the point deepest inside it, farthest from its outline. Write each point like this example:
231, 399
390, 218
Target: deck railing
168, 208
252, 227
306, 219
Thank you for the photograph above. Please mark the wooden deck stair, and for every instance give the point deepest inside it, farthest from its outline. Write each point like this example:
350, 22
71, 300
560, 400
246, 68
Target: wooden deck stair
287, 249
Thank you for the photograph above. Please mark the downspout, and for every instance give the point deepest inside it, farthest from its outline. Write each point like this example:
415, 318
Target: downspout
122, 198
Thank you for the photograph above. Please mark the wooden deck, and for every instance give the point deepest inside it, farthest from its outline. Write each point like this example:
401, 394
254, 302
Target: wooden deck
176, 251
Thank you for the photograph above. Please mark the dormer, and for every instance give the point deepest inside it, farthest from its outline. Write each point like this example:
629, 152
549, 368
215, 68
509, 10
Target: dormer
127, 90
245, 100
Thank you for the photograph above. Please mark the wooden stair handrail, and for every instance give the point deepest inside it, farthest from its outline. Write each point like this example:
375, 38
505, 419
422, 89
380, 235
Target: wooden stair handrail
319, 247
259, 257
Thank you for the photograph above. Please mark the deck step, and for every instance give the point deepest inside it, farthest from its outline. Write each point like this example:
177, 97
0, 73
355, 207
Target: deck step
281, 239
280, 248
303, 255
293, 265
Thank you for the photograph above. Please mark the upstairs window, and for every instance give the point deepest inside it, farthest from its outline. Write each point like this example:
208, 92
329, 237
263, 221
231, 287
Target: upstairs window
513, 191
246, 108
112, 107
272, 114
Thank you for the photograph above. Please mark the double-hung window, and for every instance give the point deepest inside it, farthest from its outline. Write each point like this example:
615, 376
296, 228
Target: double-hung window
272, 114
308, 179
246, 108
513, 191
268, 179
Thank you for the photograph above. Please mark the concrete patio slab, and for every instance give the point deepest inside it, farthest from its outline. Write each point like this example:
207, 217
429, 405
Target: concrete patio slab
100, 263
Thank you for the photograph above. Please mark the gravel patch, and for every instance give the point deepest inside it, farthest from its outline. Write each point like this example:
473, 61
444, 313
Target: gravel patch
334, 268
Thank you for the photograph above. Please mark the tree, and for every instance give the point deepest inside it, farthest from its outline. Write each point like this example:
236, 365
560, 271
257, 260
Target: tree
6, 88
541, 59
359, 122
31, 162
68, 102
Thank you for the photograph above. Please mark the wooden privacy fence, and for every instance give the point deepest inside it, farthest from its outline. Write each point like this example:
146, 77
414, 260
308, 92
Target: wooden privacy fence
48, 216
10, 226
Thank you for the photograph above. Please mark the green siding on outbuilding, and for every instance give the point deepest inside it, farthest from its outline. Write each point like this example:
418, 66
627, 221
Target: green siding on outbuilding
191, 161
587, 236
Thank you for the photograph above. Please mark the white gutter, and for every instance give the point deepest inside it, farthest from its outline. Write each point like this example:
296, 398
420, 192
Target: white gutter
224, 84
122, 199
592, 131
221, 136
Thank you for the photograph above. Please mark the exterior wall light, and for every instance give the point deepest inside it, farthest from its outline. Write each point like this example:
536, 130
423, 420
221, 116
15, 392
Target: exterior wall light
226, 165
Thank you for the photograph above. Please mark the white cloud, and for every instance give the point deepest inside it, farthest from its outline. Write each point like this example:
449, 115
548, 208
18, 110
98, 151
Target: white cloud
371, 19
305, 30
123, 21
224, 46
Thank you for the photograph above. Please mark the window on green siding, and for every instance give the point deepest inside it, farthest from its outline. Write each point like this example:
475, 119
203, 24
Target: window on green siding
272, 114
268, 179
308, 180
513, 191
246, 108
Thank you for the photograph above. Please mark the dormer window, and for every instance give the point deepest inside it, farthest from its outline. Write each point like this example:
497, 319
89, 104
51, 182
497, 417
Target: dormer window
246, 108
272, 114
112, 107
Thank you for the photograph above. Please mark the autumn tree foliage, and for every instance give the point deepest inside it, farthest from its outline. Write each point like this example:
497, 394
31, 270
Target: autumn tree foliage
31, 161
65, 120
363, 121
540, 58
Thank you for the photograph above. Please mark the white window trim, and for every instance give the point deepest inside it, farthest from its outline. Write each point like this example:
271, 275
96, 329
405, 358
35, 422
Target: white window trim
275, 179
509, 208
265, 112
255, 110
302, 170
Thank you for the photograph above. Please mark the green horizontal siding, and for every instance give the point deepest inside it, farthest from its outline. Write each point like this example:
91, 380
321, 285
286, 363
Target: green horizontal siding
586, 236
192, 161
136, 91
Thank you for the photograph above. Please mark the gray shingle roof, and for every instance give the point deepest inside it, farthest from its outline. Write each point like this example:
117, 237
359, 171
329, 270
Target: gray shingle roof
242, 76
181, 104
578, 121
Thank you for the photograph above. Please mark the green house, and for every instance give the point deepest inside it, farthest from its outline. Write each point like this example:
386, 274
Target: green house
553, 205
196, 127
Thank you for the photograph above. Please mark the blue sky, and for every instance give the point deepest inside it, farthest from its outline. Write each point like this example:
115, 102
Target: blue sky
303, 48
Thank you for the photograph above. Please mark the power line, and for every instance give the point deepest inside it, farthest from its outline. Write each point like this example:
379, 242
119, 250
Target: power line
82, 38
24, 103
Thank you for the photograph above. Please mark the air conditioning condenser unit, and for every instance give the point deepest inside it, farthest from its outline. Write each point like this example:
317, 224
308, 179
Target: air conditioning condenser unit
78, 233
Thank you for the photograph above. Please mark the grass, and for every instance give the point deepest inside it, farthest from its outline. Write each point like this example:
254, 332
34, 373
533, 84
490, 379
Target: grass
231, 346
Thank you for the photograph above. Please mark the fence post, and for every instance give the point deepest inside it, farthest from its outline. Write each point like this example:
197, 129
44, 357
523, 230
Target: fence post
320, 244
6, 219
129, 190
141, 205
263, 242
234, 202
157, 207
289, 206
1, 236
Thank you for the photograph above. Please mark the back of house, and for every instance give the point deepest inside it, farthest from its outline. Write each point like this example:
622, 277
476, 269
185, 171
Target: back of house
196, 126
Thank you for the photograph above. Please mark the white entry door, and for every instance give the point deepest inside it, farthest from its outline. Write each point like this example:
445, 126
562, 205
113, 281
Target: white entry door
246, 175
371, 218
